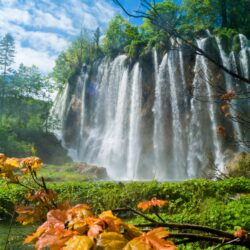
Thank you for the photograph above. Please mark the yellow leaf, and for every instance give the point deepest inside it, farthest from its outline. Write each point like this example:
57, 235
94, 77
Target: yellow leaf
151, 241
35, 235
111, 241
3, 157
78, 225
13, 162
27, 215
107, 214
79, 211
131, 232
79, 243
137, 245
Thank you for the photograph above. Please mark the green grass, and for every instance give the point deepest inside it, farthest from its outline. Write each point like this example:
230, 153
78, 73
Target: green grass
61, 173
16, 237
223, 204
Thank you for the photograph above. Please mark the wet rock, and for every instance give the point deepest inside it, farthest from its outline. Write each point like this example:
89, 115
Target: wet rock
239, 165
92, 171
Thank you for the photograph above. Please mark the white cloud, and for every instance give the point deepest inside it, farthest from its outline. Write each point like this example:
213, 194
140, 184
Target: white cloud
44, 41
43, 19
15, 15
42, 28
30, 57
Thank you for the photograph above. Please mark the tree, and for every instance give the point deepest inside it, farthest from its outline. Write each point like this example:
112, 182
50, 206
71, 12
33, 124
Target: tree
153, 15
155, 35
119, 36
7, 53
97, 36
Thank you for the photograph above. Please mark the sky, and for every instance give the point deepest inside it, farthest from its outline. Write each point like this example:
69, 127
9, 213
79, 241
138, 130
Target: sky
44, 28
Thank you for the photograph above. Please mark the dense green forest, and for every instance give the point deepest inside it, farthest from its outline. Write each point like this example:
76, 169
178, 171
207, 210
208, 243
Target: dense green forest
25, 105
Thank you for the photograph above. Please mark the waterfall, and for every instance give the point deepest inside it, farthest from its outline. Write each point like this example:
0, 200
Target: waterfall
111, 120
159, 122
229, 87
134, 125
198, 130
195, 158
178, 158
58, 112
244, 55
155, 118
219, 161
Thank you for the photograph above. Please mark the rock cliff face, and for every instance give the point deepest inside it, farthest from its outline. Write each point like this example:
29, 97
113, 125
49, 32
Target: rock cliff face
157, 117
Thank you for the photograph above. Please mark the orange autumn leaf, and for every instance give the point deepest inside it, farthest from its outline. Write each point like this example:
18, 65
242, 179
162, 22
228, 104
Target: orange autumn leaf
79, 243
111, 241
152, 203
130, 231
152, 240
27, 215
34, 163
240, 233
35, 235
78, 225
220, 130
229, 95
224, 108
42, 195
111, 222
3, 157
52, 233
57, 216
54, 240
94, 231
79, 211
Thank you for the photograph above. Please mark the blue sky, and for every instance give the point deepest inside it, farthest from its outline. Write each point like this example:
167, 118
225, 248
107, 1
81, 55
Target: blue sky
44, 28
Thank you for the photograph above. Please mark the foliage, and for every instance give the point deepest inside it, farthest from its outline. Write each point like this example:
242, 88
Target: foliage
225, 18
67, 227
121, 37
7, 53
83, 50
25, 102
201, 201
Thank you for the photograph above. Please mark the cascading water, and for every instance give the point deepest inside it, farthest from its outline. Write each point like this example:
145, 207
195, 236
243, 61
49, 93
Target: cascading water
134, 149
159, 144
229, 87
118, 113
178, 160
218, 157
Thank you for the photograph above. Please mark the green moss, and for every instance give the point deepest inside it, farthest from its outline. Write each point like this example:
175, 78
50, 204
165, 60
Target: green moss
236, 44
239, 165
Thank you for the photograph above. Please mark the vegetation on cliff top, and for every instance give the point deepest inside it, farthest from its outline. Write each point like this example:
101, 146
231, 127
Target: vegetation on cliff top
224, 18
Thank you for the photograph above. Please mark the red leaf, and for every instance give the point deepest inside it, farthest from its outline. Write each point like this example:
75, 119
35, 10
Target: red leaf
152, 203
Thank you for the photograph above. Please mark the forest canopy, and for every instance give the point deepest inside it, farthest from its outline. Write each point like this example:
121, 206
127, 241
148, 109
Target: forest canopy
221, 17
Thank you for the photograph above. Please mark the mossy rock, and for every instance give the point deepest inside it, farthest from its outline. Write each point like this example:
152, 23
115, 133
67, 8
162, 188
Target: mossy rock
226, 43
236, 47
239, 165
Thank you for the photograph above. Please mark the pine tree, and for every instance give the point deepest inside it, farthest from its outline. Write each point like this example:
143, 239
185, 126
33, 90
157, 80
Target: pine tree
7, 53
97, 36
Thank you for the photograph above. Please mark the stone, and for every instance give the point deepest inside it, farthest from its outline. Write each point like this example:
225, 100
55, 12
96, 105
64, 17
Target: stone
238, 165
92, 171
